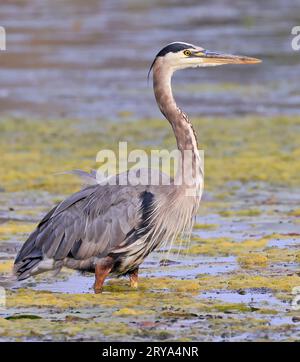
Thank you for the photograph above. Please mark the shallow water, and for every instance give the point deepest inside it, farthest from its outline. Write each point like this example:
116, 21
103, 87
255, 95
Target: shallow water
218, 309
79, 60
254, 298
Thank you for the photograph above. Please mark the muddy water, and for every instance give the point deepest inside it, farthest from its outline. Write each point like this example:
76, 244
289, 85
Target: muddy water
90, 59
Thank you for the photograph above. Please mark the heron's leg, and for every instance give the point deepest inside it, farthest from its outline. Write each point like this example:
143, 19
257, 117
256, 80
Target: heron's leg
133, 277
102, 269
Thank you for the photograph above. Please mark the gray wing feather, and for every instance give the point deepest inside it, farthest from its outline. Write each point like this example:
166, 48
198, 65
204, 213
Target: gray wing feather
91, 222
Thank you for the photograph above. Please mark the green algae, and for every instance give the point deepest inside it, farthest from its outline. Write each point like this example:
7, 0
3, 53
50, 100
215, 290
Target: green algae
125, 312
23, 298
251, 212
163, 307
268, 256
252, 261
143, 314
247, 281
6, 266
295, 212
223, 246
12, 228
21, 329
205, 226
282, 255
34, 151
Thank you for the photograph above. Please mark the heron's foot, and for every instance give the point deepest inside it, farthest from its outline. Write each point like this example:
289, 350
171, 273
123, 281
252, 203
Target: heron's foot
98, 290
133, 277
134, 284
102, 269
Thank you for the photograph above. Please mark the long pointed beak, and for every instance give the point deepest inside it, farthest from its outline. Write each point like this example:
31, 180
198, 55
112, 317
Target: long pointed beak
221, 58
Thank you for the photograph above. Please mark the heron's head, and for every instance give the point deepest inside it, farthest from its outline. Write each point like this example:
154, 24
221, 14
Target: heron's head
180, 55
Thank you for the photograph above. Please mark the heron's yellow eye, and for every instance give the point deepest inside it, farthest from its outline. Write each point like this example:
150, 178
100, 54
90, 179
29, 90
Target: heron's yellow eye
187, 53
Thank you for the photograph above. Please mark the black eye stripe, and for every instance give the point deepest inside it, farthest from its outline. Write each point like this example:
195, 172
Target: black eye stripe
174, 48
171, 48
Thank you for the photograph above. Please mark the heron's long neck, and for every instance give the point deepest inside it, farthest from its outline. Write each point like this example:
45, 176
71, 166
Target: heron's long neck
182, 127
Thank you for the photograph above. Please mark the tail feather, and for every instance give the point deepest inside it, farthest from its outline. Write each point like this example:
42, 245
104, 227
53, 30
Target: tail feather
24, 269
46, 247
28, 258
28, 248
28, 264
87, 178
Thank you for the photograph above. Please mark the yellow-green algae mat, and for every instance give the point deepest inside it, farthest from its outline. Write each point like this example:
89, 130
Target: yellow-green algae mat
236, 280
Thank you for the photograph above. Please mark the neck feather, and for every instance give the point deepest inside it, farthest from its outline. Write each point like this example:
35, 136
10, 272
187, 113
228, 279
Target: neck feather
182, 127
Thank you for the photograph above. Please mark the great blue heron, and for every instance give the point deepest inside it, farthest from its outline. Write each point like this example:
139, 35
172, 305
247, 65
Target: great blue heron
112, 228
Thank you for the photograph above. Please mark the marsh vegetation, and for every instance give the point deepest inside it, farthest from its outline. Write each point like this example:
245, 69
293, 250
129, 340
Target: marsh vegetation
73, 82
